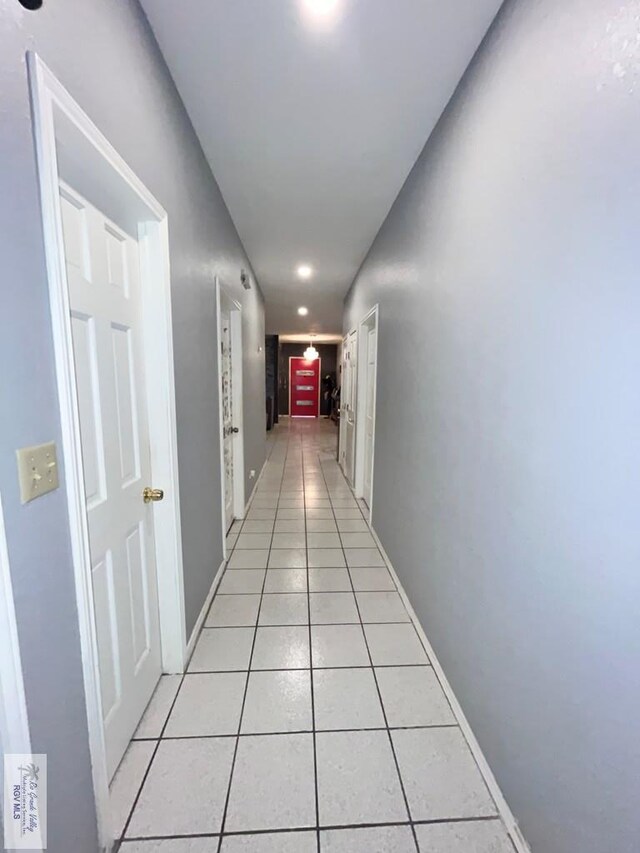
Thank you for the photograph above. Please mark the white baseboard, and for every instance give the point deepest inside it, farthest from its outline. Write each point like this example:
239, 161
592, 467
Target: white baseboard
253, 490
504, 811
205, 609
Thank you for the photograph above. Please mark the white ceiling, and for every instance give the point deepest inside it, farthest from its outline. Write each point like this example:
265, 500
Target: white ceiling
312, 124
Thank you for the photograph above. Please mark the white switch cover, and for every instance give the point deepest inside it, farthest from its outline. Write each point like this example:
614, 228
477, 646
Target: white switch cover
37, 471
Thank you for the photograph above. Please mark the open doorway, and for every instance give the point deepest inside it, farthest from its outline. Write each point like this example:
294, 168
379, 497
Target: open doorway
366, 406
229, 313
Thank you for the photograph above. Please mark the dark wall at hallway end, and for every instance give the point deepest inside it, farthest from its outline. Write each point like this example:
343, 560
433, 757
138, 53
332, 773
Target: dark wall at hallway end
271, 364
328, 357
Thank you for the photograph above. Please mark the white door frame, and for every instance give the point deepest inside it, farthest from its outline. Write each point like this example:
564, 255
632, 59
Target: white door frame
369, 321
342, 432
67, 140
14, 722
346, 352
223, 298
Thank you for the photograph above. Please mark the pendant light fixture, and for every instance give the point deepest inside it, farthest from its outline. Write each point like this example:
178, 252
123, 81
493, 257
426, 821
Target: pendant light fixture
311, 353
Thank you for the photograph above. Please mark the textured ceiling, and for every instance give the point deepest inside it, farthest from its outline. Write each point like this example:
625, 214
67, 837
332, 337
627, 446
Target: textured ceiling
312, 123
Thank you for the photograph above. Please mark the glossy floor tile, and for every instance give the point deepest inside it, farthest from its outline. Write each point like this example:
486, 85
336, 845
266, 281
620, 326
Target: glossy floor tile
273, 785
440, 775
358, 781
487, 836
221, 649
281, 647
412, 696
329, 580
158, 708
170, 803
233, 611
286, 580
379, 607
310, 719
271, 842
371, 579
278, 702
207, 704
338, 645
382, 839
172, 845
127, 781
346, 699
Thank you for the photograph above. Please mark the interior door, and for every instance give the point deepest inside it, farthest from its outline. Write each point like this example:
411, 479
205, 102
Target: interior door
103, 273
304, 387
369, 412
228, 429
351, 406
344, 379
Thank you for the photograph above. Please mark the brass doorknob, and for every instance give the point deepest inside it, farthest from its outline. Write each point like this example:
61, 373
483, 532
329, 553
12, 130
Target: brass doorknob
150, 494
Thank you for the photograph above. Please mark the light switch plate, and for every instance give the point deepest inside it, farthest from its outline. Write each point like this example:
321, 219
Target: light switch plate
37, 470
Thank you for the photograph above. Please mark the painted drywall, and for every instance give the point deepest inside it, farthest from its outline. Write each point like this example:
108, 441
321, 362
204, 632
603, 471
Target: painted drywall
507, 436
104, 53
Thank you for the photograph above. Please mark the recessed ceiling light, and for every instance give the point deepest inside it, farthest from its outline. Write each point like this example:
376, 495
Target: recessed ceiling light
321, 8
302, 311
304, 271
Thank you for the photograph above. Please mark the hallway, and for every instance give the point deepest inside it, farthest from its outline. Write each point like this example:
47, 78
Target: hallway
309, 718
418, 219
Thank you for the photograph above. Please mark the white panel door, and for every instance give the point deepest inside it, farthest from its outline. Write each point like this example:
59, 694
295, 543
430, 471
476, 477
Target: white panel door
369, 413
104, 287
342, 440
351, 406
228, 429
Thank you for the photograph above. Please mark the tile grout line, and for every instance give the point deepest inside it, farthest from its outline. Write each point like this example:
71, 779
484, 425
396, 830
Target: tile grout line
311, 680
410, 822
384, 712
300, 731
290, 830
149, 765
303, 668
246, 687
300, 624
120, 840
457, 723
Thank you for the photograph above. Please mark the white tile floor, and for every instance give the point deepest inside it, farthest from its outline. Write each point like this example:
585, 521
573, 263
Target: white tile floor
309, 719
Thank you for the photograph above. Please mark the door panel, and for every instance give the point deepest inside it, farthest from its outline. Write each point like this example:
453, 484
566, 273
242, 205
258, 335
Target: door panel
342, 446
138, 594
107, 633
304, 387
350, 413
369, 413
84, 341
103, 275
128, 433
227, 414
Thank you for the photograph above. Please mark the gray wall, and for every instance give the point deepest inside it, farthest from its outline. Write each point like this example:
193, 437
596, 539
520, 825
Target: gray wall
103, 52
507, 487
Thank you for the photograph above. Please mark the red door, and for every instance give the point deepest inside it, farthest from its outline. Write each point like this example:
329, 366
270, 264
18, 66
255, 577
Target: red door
304, 388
